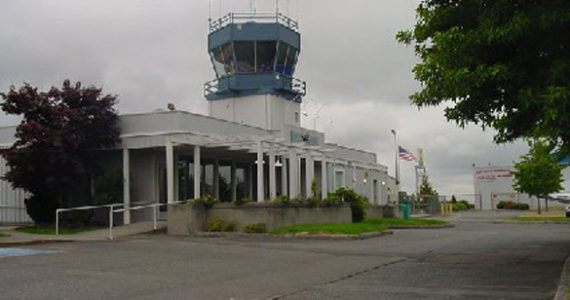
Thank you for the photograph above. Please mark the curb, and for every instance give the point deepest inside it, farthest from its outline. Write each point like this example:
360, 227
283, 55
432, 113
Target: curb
529, 222
562, 291
32, 242
443, 226
302, 236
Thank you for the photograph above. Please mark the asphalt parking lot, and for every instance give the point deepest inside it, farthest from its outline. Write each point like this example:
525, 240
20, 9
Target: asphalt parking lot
475, 260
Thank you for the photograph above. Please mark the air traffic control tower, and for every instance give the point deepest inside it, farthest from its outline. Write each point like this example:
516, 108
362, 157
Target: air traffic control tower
254, 57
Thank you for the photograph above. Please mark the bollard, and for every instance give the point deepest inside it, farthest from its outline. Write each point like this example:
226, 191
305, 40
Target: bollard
111, 222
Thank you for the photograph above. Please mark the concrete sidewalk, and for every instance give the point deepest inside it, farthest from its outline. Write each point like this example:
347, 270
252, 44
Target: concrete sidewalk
20, 238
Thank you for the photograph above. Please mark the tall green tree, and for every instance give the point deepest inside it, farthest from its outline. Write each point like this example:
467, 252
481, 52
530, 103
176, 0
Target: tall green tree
426, 188
503, 64
55, 141
538, 173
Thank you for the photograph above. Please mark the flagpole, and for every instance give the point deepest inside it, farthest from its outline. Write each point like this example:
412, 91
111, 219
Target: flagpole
396, 164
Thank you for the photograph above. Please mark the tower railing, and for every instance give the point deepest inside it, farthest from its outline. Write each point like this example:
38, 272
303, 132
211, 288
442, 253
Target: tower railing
239, 18
288, 83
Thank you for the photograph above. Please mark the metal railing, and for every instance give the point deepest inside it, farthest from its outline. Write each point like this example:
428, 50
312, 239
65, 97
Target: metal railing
237, 18
112, 211
289, 83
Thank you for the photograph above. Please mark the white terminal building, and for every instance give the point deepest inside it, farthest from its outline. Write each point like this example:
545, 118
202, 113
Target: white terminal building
493, 184
251, 144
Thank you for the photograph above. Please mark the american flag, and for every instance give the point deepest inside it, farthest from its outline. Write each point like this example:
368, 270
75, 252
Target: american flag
406, 155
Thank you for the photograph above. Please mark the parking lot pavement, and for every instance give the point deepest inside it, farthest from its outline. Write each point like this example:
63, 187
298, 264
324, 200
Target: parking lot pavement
472, 260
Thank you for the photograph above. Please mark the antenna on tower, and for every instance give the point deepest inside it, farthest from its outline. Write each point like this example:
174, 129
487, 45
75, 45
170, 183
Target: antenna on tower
220, 8
277, 7
209, 11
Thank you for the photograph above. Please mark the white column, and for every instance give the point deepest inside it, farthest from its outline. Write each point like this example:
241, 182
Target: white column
293, 174
169, 172
284, 190
217, 178
309, 174
324, 179
272, 175
197, 173
126, 187
234, 181
260, 187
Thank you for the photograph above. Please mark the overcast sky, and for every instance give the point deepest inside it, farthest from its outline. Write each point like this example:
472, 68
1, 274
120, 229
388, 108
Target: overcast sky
151, 52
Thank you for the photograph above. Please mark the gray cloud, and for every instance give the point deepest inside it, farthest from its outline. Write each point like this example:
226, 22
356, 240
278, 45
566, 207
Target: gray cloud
154, 52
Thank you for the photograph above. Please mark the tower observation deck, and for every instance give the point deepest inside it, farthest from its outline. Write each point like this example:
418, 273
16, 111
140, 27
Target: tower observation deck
254, 54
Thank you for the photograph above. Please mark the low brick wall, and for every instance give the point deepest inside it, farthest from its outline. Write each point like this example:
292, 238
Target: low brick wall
184, 219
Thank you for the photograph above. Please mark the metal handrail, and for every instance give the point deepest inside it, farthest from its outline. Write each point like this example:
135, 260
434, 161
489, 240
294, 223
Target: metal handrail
296, 85
238, 18
137, 206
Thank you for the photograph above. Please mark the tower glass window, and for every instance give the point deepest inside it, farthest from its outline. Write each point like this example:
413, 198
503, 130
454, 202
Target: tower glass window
281, 57
291, 61
245, 56
265, 55
222, 60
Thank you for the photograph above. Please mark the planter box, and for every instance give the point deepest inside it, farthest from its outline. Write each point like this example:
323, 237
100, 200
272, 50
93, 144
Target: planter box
184, 219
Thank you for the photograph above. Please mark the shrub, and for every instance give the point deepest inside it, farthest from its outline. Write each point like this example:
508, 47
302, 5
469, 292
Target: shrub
459, 206
298, 200
332, 199
315, 189
205, 202
282, 199
357, 203
218, 225
243, 201
313, 201
512, 205
255, 228
467, 204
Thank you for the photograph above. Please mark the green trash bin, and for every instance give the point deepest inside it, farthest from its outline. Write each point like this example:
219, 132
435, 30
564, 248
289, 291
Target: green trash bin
405, 208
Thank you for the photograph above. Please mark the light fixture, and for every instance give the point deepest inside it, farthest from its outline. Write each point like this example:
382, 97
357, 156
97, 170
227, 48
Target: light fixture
278, 163
257, 162
365, 180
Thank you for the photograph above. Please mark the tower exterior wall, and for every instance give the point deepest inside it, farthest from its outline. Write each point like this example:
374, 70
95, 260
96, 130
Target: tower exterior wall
265, 111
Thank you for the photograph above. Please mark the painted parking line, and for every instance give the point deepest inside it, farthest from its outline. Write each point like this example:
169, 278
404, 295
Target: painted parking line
8, 252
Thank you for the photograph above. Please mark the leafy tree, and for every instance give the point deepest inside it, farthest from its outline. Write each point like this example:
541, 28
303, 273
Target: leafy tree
53, 151
503, 64
426, 188
538, 173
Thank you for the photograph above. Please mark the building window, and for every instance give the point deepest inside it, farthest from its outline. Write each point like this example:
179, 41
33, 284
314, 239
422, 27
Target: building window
339, 179
245, 56
223, 61
265, 55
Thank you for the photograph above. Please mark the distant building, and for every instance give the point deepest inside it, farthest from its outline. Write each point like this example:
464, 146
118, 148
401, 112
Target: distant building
495, 183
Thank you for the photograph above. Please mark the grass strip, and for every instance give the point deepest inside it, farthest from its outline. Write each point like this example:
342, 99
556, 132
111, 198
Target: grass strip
542, 219
4, 235
354, 228
404, 222
51, 230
